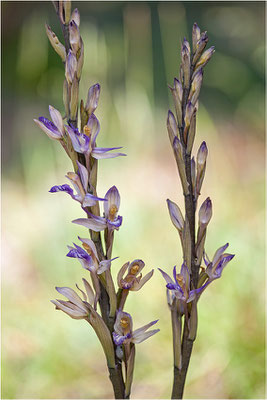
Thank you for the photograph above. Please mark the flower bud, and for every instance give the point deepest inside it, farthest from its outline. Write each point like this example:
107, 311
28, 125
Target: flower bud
196, 86
74, 36
201, 166
195, 36
205, 212
57, 46
206, 56
188, 113
193, 173
202, 154
75, 16
172, 126
70, 67
92, 98
185, 55
177, 93
200, 46
67, 10
175, 215
60, 11
191, 133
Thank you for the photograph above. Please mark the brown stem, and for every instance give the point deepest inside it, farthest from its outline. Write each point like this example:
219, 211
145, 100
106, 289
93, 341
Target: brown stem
115, 376
180, 375
190, 210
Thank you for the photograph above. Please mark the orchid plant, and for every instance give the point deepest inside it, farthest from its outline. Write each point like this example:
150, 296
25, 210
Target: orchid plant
184, 290
97, 302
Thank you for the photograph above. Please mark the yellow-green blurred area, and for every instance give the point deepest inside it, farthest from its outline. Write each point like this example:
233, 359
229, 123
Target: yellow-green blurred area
132, 50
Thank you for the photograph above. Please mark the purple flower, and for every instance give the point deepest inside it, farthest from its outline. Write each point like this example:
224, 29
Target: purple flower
85, 143
85, 259
75, 307
220, 260
92, 98
87, 255
111, 208
55, 128
123, 330
180, 286
205, 212
111, 219
176, 215
133, 279
80, 184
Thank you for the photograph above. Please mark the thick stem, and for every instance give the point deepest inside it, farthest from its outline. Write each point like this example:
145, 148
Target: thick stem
115, 376
180, 375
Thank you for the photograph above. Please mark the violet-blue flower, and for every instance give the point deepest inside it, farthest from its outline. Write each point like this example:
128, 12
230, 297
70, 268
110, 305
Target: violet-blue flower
220, 260
80, 184
85, 143
111, 219
55, 128
180, 286
123, 330
133, 280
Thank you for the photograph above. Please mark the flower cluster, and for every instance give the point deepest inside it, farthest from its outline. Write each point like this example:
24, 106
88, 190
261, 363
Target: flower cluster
99, 303
184, 290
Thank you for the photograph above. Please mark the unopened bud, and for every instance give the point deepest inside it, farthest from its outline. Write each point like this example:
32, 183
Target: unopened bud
177, 93
195, 36
186, 44
193, 174
200, 46
196, 86
205, 212
57, 46
191, 133
74, 36
172, 126
70, 67
188, 113
206, 56
175, 215
61, 12
75, 16
67, 10
92, 98
185, 55
202, 154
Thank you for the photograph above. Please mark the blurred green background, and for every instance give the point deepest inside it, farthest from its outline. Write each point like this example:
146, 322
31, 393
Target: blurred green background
132, 49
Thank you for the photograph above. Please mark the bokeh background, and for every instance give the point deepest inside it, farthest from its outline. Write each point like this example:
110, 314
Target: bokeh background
132, 49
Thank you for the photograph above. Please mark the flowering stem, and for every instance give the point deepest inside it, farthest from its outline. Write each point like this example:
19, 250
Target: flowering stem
115, 374
190, 210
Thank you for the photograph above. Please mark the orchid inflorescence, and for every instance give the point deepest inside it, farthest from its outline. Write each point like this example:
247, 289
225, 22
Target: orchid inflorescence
98, 302
113, 326
184, 290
